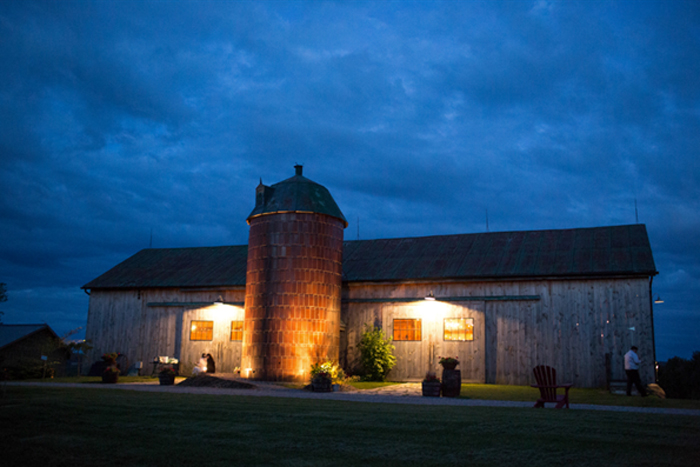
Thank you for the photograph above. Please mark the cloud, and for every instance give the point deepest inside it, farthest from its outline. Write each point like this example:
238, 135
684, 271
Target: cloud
118, 119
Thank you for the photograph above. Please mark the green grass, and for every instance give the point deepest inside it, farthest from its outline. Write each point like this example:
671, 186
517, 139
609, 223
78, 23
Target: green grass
470, 391
101, 427
576, 396
498, 392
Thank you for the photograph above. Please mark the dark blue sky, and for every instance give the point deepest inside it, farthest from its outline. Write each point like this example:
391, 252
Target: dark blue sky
121, 117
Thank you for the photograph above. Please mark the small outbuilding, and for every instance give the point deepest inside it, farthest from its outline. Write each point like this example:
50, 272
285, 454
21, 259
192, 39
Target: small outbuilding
27, 349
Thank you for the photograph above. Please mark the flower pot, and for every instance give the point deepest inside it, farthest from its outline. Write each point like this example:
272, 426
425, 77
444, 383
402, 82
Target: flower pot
321, 385
110, 377
431, 388
451, 383
166, 379
449, 365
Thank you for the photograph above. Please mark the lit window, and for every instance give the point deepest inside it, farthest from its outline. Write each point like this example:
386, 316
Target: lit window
236, 330
202, 331
407, 330
459, 329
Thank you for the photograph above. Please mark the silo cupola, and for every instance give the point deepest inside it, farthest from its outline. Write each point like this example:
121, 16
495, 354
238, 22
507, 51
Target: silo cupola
296, 194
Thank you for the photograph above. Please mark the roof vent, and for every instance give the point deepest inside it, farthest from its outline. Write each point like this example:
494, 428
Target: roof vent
299, 169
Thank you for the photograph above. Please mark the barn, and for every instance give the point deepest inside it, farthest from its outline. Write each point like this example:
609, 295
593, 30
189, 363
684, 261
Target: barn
502, 302
27, 349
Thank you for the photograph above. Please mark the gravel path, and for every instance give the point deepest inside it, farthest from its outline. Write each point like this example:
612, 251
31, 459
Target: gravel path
407, 393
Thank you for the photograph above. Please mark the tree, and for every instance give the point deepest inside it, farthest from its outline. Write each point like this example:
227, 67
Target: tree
376, 354
79, 349
680, 378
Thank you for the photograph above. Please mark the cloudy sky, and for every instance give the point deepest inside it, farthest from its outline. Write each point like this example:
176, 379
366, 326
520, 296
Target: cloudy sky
119, 119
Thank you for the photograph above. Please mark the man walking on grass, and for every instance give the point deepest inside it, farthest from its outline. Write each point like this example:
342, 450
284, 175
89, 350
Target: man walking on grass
632, 363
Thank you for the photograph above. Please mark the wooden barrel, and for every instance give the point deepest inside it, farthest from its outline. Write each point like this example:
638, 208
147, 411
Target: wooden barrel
451, 383
166, 379
110, 377
431, 389
321, 385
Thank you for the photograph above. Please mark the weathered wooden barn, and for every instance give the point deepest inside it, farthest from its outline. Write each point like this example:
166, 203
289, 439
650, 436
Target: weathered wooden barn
502, 302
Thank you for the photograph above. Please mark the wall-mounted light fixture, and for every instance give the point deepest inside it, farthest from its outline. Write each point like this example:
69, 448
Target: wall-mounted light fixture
219, 301
430, 296
658, 299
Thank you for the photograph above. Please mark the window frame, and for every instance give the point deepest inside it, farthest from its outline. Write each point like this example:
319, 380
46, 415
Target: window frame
469, 321
238, 331
416, 331
193, 332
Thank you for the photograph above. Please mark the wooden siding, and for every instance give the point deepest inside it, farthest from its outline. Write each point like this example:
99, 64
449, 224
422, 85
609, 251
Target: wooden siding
123, 321
571, 327
415, 358
226, 353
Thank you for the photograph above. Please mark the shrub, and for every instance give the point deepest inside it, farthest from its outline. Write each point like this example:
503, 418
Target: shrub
680, 378
110, 358
376, 354
29, 369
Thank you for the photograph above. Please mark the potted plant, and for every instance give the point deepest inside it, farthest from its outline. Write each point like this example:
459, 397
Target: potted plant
451, 378
431, 385
448, 363
323, 375
167, 376
111, 373
322, 382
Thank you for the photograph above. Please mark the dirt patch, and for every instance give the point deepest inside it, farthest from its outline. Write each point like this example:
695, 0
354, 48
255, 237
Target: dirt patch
207, 381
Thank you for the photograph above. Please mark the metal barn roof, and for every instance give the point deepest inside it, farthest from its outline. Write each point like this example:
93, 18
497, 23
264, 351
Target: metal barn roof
177, 267
599, 251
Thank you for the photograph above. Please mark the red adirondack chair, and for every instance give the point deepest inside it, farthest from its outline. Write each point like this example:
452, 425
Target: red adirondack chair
546, 378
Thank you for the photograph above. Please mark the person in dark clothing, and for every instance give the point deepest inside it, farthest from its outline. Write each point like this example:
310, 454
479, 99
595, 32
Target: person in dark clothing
211, 366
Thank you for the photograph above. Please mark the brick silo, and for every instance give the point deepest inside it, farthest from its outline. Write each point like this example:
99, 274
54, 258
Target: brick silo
293, 280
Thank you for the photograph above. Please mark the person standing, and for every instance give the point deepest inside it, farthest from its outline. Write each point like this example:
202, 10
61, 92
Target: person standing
632, 363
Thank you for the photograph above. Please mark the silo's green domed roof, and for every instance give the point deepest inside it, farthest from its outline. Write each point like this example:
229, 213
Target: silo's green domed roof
296, 194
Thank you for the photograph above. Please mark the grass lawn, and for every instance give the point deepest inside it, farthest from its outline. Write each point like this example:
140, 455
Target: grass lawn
102, 427
576, 396
497, 392
470, 391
